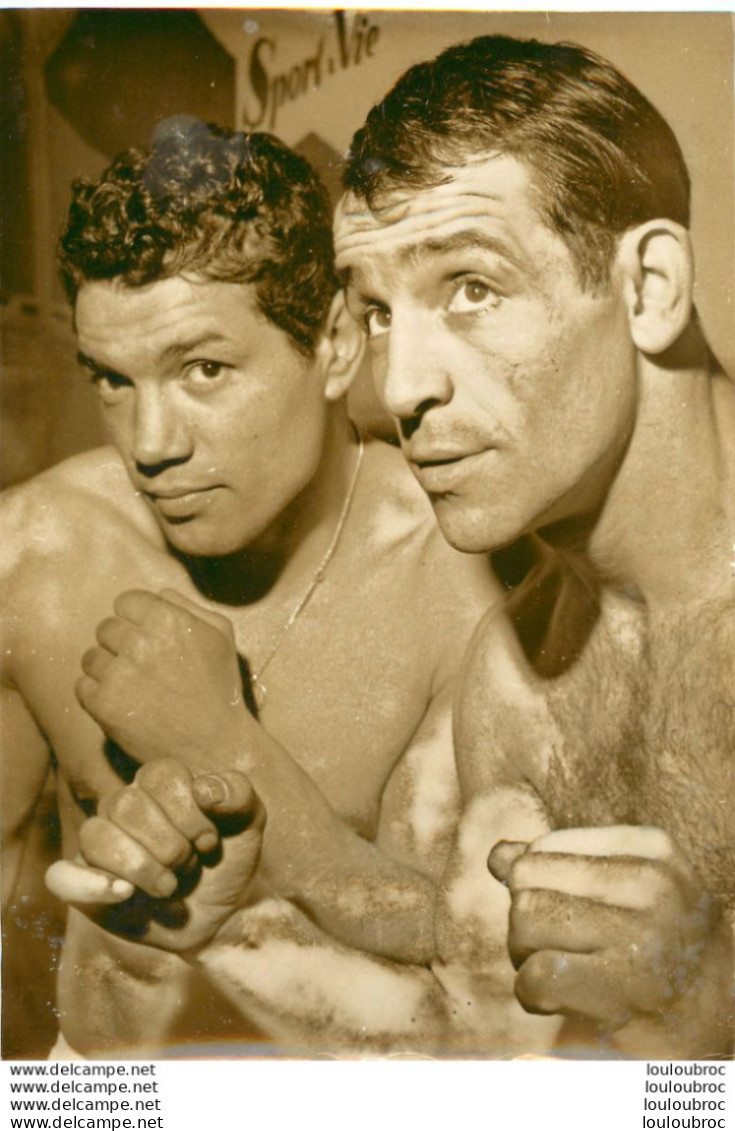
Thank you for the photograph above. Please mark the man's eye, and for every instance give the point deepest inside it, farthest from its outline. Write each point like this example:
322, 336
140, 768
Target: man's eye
110, 386
471, 296
377, 321
205, 372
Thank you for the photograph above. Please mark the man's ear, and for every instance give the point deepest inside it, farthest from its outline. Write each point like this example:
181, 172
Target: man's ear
656, 262
342, 348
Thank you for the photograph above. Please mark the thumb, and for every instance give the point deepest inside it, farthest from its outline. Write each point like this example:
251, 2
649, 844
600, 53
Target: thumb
73, 881
227, 793
503, 856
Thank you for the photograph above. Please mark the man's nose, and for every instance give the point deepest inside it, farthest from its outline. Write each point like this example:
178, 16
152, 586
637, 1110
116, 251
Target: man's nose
162, 434
416, 377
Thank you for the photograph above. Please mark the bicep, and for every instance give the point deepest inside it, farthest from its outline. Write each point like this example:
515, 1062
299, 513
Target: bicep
24, 765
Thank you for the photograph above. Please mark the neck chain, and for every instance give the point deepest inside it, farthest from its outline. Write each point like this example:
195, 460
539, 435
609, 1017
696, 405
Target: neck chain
260, 691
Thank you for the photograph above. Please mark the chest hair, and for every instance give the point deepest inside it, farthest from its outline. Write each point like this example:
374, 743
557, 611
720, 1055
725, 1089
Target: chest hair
647, 725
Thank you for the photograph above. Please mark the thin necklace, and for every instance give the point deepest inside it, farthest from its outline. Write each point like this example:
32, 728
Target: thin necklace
260, 691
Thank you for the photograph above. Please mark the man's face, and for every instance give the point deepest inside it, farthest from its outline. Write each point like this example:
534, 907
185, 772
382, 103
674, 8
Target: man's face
220, 422
513, 389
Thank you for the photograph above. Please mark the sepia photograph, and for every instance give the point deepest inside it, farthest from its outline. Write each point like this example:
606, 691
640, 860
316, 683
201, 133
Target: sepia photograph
367, 535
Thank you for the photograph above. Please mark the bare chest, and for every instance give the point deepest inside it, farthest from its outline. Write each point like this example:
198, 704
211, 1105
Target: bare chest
644, 734
345, 690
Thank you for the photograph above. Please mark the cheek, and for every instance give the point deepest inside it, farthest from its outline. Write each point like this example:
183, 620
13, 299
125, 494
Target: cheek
273, 444
516, 357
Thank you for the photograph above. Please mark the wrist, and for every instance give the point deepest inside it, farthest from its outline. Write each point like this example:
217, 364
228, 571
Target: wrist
229, 749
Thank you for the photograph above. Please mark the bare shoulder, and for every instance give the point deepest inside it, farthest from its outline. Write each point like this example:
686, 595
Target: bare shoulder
56, 525
61, 509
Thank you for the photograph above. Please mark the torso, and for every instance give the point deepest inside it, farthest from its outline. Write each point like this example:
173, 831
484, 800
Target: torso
637, 716
580, 708
371, 671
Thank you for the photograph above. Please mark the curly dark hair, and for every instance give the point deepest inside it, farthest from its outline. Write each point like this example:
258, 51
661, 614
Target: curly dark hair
601, 156
224, 205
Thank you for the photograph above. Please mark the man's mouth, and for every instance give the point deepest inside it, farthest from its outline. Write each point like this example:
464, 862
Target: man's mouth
443, 473
178, 503
438, 462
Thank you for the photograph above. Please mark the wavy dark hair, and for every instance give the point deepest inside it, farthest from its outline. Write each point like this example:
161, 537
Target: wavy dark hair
223, 205
601, 156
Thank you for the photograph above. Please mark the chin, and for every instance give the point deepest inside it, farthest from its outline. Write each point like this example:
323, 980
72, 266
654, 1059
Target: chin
186, 539
473, 531
466, 540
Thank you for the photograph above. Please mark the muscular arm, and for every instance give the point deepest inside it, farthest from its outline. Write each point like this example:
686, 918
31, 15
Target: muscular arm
165, 682
377, 896
24, 752
306, 988
24, 765
313, 994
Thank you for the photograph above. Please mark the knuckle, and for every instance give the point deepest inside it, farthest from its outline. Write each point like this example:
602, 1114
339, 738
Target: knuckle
660, 888
652, 949
520, 925
108, 801
88, 659
660, 894
106, 626
92, 834
523, 904
161, 773
163, 617
537, 980
84, 689
522, 873
135, 647
174, 851
103, 704
127, 602
123, 805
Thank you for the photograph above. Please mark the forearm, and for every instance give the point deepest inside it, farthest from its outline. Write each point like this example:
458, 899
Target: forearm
311, 857
313, 995
366, 900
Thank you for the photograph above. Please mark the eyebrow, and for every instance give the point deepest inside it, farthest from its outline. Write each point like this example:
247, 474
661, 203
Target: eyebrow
95, 367
471, 239
176, 349
468, 240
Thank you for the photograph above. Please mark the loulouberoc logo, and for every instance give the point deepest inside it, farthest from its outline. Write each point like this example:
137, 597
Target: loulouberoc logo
351, 41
